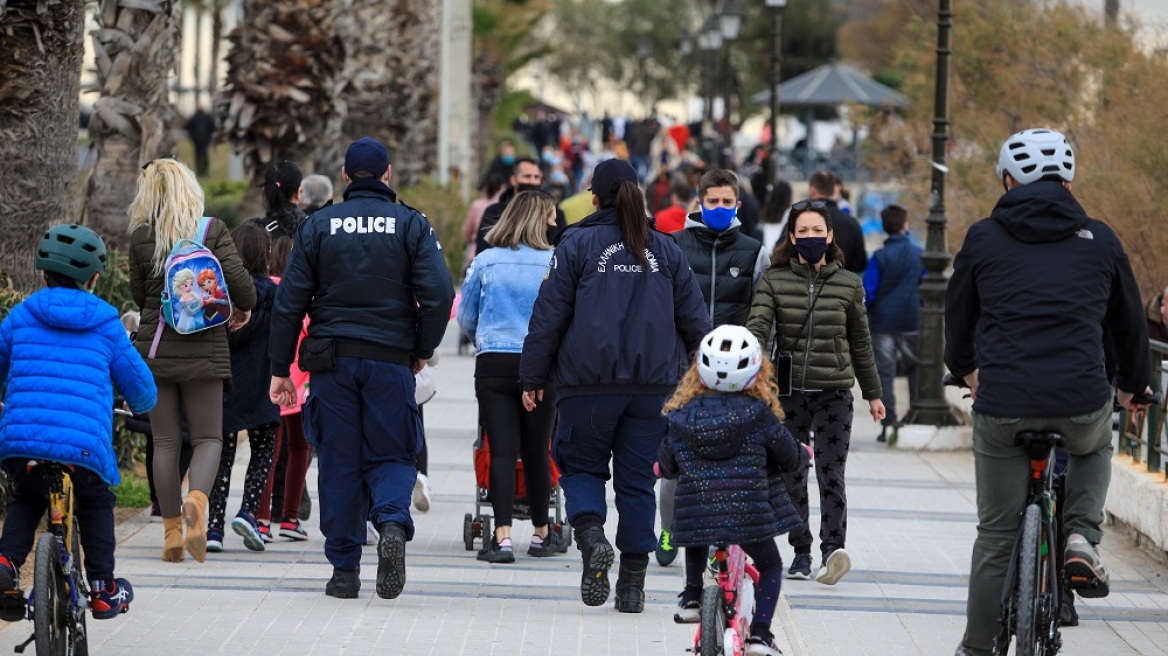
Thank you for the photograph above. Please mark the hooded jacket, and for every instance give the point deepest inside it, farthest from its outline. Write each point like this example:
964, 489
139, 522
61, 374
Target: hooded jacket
1033, 288
602, 325
728, 452
728, 266
62, 352
247, 404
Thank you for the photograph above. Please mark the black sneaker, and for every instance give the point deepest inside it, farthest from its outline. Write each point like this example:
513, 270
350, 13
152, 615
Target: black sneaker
344, 584
689, 608
494, 552
598, 556
391, 561
666, 552
1068, 616
800, 567
553, 545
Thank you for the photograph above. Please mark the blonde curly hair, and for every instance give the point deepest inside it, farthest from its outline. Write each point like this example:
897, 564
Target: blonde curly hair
764, 388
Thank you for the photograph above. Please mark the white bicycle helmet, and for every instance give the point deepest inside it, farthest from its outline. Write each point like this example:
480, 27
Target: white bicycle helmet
1034, 154
729, 359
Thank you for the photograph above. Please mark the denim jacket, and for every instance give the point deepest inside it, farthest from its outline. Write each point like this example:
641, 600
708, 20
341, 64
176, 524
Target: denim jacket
498, 295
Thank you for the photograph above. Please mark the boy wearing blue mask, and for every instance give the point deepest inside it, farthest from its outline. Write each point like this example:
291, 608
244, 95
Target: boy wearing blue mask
728, 264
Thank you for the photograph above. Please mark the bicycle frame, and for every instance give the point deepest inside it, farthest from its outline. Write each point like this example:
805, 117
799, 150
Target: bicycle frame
1041, 492
737, 578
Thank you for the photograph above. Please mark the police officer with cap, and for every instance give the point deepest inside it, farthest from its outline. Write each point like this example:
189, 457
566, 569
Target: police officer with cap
370, 274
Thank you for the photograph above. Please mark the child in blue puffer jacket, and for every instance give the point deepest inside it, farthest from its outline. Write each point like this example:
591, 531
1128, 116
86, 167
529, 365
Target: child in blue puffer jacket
727, 446
59, 352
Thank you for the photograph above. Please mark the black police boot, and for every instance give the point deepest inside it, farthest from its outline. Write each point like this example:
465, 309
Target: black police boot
345, 583
598, 557
630, 590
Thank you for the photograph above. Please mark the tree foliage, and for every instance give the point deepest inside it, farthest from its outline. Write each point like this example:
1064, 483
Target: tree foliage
1039, 64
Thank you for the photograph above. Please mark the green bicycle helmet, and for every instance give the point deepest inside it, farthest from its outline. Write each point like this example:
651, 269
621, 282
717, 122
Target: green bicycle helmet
73, 251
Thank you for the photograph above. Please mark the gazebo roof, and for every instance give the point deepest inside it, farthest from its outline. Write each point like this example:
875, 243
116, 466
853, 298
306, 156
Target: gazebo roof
833, 84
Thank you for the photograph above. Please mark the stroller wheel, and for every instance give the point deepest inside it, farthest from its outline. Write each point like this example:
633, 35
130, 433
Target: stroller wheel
487, 532
468, 532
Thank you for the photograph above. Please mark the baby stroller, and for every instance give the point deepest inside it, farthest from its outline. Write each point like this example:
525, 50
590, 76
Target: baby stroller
478, 525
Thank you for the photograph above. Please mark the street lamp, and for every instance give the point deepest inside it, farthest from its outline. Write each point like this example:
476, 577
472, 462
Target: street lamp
710, 41
730, 24
776, 7
930, 406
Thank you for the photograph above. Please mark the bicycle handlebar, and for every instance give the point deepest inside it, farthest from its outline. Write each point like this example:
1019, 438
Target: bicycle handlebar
1141, 399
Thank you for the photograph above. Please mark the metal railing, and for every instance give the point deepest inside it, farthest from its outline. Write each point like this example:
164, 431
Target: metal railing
1141, 435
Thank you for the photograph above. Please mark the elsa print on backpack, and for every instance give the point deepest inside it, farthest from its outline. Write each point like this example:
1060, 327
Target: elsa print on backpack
194, 297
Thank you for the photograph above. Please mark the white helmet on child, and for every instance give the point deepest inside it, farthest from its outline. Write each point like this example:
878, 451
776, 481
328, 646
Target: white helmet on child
729, 359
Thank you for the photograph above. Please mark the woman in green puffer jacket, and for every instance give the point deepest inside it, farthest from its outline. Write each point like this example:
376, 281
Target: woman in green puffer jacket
816, 310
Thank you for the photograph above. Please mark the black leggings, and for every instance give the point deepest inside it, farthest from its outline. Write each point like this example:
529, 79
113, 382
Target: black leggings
513, 431
262, 440
769, 564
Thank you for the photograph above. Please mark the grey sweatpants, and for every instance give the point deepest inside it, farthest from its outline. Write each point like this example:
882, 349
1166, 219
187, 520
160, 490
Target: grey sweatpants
202, 402
1003, 472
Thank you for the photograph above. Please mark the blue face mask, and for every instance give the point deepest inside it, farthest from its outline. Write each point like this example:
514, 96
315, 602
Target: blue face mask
508, 159
719, 218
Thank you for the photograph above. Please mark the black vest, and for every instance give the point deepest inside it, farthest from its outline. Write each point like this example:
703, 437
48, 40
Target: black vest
724, 265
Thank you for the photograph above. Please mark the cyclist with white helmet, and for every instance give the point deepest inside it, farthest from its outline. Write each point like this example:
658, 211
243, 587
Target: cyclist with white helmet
727, 447
1033, 288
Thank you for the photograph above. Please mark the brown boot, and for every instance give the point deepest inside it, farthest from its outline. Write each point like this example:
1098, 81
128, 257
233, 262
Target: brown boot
172, 547
194, 512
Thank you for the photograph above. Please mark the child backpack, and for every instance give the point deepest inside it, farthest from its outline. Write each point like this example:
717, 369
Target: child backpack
194, 289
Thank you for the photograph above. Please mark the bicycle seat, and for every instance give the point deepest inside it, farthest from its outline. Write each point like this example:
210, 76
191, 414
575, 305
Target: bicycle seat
1039, 443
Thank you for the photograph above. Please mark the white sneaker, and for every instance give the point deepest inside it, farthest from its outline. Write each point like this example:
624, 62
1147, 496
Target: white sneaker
760, 647
371, 534
422, 493
837, 564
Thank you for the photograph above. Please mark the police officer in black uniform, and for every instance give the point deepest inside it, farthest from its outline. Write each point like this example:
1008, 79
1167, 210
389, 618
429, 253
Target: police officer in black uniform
370, 274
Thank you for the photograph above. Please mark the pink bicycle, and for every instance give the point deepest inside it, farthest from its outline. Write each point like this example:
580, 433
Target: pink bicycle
727, 604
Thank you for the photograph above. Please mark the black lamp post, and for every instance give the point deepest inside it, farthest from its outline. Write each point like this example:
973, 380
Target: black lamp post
710, 41
776, 7
730, 24
930, 406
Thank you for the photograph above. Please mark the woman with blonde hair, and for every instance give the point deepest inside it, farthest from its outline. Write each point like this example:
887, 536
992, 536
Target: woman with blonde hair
497, 298
189, 370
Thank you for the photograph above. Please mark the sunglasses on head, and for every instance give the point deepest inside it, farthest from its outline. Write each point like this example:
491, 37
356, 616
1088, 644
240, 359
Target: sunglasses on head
804, 205
147, 164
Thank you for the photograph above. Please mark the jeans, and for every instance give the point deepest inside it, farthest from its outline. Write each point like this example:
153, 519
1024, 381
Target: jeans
886, 346
1002, 473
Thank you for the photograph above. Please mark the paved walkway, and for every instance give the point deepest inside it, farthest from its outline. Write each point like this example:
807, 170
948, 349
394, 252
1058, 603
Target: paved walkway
912, 525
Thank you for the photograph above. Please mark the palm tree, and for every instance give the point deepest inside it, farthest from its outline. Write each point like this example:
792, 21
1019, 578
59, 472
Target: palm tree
135, 46
280, 94
40, 81
390, 81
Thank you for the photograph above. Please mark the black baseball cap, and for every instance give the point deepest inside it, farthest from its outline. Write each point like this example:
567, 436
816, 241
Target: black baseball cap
609, 174
368, 155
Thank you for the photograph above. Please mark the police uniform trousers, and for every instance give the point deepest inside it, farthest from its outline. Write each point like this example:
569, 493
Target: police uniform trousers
364, 423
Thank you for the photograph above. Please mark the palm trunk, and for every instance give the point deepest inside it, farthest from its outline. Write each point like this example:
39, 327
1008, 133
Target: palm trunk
129, 125
40, 80
216, 46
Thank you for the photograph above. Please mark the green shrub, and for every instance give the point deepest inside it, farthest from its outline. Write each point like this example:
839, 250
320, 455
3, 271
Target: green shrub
114, 285
223, 200
446, 211
132, 492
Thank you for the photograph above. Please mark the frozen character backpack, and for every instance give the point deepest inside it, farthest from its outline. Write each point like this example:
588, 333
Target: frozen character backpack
194, 290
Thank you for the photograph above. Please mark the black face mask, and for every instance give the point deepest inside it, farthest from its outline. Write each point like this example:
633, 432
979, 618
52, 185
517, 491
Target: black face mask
524, 186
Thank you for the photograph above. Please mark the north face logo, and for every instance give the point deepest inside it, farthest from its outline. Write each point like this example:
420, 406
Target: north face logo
1085, 234
734, 271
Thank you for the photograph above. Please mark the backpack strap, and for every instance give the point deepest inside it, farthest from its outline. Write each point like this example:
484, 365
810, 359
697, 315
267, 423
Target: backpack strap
157, 337
204, 228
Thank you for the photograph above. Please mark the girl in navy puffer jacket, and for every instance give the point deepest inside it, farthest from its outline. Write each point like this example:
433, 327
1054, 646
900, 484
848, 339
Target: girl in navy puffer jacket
728, 447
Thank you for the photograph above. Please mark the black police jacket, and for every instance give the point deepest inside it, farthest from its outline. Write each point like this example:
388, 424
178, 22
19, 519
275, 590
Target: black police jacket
602, 324
1033, 289
368, 271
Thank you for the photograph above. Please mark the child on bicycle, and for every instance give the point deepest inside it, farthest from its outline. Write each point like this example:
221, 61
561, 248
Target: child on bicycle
728, 447
60, 350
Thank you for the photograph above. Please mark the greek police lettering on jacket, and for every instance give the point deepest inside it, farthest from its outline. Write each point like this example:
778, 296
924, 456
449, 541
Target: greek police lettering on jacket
370, 274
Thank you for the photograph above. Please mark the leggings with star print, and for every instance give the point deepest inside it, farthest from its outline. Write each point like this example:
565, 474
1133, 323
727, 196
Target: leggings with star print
262, 440
826, 416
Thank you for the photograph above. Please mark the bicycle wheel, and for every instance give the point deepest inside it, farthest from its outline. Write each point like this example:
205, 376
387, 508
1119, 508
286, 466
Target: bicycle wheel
713, 621
50, 611
1027, 637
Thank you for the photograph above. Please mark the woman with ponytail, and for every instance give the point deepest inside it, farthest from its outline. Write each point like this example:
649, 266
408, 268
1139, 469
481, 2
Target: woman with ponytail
281, 200
612, 331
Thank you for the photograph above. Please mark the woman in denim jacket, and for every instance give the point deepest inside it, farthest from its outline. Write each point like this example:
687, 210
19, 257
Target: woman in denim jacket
497, 299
